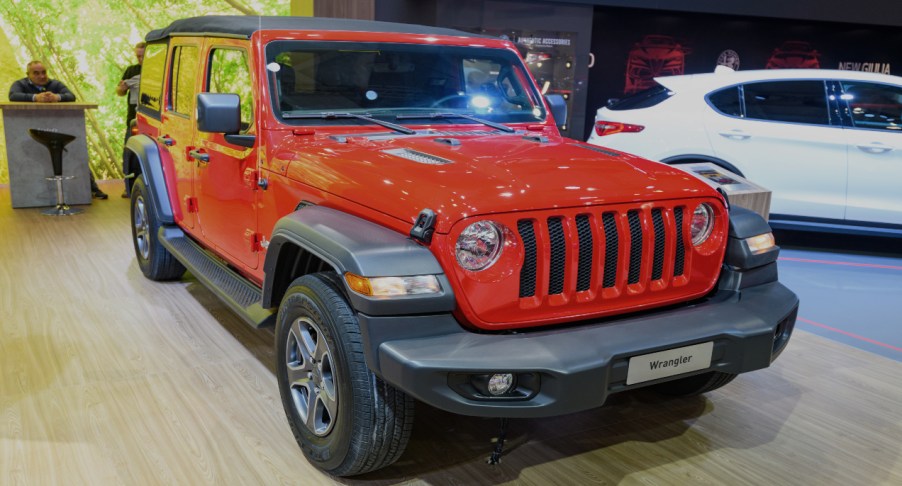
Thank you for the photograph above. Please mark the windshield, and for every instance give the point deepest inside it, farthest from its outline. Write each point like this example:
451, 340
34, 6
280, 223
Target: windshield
392, 81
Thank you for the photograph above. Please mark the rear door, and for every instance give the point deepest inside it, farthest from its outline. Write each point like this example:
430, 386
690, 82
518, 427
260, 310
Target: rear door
875, 151
178, 122
786, 143
227, 173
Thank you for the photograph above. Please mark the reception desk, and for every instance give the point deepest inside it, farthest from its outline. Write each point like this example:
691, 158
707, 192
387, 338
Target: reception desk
29, 161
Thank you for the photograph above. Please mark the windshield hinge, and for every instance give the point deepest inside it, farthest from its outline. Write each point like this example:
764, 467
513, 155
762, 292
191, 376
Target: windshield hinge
424, 226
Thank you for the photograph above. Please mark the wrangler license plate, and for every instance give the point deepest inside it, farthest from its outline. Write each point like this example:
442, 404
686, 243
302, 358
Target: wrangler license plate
669, 363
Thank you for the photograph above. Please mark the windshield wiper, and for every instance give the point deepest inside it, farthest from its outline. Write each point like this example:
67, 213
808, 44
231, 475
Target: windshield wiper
436, 116
359, 116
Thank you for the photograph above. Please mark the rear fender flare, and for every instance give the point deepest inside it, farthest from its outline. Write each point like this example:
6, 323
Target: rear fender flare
145, 150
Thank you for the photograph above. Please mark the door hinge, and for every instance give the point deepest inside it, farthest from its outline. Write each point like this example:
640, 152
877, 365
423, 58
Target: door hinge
258, 240
250, 177
191, 204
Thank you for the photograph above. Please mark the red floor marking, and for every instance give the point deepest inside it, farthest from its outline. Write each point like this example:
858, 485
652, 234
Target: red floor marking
850, 264
852, 335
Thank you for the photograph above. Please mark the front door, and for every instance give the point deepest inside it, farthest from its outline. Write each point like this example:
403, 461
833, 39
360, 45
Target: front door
227, 173
875, 152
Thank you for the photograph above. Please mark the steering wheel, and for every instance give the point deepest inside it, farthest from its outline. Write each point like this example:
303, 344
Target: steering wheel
443, 100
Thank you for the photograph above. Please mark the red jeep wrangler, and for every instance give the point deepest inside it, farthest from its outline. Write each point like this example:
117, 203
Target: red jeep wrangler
398, 202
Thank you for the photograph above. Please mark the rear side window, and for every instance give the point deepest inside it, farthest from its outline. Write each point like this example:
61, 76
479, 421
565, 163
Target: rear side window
726, 101
643, 99
184, 75
152, 76
787, 101
873, 105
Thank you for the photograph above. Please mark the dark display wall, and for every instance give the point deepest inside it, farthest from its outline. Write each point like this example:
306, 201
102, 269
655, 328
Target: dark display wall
870, 12
631, 46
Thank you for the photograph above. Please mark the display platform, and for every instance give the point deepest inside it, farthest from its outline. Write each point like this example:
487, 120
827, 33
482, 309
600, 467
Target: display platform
739, 190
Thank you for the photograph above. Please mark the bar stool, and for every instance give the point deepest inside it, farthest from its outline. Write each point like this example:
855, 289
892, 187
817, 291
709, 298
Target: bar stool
56, 143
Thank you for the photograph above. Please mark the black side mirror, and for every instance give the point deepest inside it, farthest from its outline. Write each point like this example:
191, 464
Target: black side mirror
221, 113
558, 108
218, 112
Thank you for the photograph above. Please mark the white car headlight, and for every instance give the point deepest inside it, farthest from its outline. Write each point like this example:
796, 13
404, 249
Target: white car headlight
479, 245
702, 223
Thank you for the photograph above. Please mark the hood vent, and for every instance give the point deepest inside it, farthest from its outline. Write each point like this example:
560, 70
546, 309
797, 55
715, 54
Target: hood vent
600, 150
419, 157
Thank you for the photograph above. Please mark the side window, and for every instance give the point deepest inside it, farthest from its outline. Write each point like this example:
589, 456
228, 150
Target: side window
152, 76
726, 101
873, 105
184, 73
229, 73
787, 101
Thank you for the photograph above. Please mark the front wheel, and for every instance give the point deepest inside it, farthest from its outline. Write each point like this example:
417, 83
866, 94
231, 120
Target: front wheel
345, 419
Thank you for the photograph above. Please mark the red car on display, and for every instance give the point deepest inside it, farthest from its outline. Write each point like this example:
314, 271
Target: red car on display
415, 237
794, 55
653, 56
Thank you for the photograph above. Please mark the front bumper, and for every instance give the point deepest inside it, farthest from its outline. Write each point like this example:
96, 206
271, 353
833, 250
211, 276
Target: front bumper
577, 366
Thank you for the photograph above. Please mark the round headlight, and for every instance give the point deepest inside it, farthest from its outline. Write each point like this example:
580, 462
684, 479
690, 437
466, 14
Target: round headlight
479, 245
702, 223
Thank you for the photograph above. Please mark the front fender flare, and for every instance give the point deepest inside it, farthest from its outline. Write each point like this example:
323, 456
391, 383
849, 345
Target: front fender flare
351, 244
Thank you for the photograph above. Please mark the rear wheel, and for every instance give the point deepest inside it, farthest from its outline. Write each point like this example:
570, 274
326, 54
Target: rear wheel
345, 419
154, 259
694, 385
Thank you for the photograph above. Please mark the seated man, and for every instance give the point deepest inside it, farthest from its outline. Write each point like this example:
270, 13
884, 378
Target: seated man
37, 87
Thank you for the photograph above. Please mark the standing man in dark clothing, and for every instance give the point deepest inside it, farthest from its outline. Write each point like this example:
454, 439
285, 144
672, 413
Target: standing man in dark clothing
129, 85
37, 87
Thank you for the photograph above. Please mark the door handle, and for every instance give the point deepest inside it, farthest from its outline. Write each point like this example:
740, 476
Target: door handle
166, 140
199, 155
735, 135
874, 148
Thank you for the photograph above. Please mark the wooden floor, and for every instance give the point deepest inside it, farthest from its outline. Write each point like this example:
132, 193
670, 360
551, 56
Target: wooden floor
108, 378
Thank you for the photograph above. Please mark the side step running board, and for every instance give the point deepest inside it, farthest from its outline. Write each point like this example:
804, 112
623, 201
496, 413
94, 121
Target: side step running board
234, 290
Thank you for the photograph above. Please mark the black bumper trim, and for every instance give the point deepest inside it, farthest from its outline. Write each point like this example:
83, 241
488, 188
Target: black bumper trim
579, 365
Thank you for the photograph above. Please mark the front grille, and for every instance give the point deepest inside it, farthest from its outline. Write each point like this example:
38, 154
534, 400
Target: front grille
652, 236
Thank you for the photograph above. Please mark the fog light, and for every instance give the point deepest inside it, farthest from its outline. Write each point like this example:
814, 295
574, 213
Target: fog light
500, 383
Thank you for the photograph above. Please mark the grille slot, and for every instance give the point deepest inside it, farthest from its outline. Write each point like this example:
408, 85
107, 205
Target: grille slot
680, 256
612, 245
635, 246
661, 228
657, 268
528, 272
584, 271
558, 256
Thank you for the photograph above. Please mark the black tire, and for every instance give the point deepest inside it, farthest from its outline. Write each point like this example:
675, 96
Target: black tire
345, 419
694, 385
154, 259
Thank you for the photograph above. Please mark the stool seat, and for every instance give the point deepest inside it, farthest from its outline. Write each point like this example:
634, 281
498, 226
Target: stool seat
56, 143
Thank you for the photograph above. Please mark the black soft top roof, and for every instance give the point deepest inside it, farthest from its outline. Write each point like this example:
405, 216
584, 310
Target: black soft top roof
245, 25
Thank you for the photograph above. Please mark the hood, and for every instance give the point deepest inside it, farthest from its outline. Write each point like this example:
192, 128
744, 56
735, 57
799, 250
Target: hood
470, 173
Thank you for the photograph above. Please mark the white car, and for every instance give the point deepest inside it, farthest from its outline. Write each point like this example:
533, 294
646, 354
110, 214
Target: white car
827, 143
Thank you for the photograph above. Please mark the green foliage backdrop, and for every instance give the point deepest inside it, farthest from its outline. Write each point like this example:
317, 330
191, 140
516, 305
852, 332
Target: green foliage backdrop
87, 44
